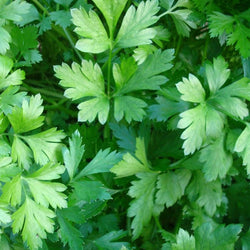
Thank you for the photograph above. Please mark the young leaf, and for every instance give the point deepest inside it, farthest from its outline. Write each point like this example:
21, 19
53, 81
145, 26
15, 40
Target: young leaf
217, 161
7, 79
134, 29
90, 27
171, 186
34, 221
184, 241
191, 89
209, 236
73, 155
28, 117
242, 146
111, 9
142, 207
131, 165
5, 40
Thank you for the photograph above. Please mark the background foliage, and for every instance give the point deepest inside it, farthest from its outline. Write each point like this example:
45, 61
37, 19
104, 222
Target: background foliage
124, 124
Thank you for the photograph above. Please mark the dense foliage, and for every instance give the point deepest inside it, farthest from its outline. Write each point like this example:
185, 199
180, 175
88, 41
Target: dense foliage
124, 124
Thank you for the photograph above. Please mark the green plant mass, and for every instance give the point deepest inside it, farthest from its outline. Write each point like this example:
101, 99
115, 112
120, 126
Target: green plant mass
124, 124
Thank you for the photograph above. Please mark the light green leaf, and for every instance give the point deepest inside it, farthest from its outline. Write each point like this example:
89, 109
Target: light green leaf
7, 169
142, 52
184, 241
242, 146
135, 29
12, 191
5, 217
85, 80
98, 106
194, 135
102, 162
49, 171
15, 10
21, 153
34, 221
209, 236
5, 40
46, 146
28, 117
171, 186
217, 73
47, 193
147, 74
142, 207
90, 27
111, 9
191, 89
10, 98
72, 156
217, 161
6, 79
69, 234
131, 165
130, 107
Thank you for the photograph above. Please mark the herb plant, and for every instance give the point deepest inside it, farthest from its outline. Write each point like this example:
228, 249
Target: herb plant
124, 124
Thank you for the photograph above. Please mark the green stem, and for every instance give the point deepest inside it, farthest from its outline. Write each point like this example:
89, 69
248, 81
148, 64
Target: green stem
36, 2
157, 222
109, 73
72, 43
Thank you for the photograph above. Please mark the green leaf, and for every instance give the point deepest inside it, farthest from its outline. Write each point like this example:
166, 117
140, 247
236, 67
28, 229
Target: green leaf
217, 161
217, 74
142, 52
184, 241
28, 117
246, 241
206, 194
191, 89
69, 234
61, 18
34, 221
4, 244
130, 107
10, 98
135, 29
46, 146
242, 146
126, 137
88, 191
102, 162
5, 40
142, 207
73, 156
108, 241
131, 165
147, 75
111, 9
7, 169
90, 27
209, 236
165, 109
6, 79
98, 106
171, 186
